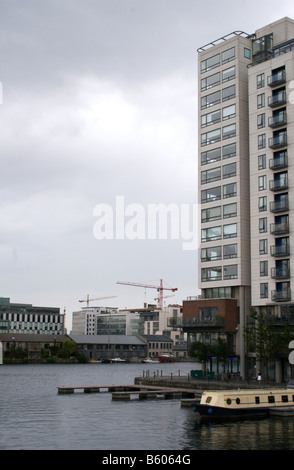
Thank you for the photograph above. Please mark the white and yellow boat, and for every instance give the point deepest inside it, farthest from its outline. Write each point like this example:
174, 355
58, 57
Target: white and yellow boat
236, 404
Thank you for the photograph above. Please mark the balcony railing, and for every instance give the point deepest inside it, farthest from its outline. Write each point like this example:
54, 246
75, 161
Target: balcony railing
277, 78
278, 141
280, 273
278, 163
279, 229
196, 322
277, 120
281, 296
279, 184
278, 99
283, 250
279, 206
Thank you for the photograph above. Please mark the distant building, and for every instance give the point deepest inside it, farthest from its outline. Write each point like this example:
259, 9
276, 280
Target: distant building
157, 345
32, 343
27, 319
95, 347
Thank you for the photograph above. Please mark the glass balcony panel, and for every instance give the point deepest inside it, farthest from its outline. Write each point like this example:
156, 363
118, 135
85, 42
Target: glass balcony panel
278, 141
279, 206
279, 229
280, 162
277, 78
278, 120
281, 296
277, 99
280, 273
279, 184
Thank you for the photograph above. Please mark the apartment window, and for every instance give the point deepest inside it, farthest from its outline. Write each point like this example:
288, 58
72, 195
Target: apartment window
229, 190
229, 131
228, 93
210, 100
210, 63
261, 183
229, 112
263, 268
228, 55
210, 81
211, 118
230, 210
210, 156
213, 174
261, 141
211, 137
263, 225
263, 247
264, 290
211, 233
230, 231
219, 292
261, 100
211, 254
229, 170
261, 121
211, 194
261, 162
213, 213
247, 53
231, 272
228, 74
230, 251
262, 204
211, 274
260, 80
229, 151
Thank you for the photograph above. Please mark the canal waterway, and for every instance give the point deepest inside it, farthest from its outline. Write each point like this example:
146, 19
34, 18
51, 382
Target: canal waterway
34, 416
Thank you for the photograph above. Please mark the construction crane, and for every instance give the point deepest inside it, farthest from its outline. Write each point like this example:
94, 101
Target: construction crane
159, 288
98, 298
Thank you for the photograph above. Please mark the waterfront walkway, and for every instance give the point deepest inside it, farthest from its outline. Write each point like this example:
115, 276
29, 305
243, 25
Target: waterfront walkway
227, 382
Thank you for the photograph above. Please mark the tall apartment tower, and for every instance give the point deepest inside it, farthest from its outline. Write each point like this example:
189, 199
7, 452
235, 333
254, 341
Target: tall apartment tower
245, 141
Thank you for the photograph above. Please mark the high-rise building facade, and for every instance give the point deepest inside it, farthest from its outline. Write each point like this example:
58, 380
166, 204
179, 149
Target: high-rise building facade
245, 140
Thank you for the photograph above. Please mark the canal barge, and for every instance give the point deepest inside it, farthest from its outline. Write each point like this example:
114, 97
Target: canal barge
242, 404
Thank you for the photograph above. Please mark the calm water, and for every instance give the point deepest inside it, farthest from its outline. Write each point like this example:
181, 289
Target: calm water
34, 416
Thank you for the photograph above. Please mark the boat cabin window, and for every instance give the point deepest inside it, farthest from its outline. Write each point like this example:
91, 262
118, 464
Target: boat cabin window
284, 398
229, 401
208, 399
271, 399
238, 401
257, 400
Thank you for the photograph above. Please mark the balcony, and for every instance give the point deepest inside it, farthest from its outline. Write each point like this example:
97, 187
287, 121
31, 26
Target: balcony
279, 229
283, 250
281, 296
277, 99
279, 206
278, 184
278, 141
277, 120
277, 79
279, 163
280, 273
196, 322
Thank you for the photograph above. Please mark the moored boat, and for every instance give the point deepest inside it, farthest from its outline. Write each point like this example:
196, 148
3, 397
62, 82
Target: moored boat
242, 404
151, 360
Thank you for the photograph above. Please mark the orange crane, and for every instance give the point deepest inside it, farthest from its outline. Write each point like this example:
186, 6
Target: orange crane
159, 288
99, 298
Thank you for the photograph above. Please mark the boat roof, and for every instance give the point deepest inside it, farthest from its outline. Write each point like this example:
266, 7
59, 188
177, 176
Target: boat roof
233, 392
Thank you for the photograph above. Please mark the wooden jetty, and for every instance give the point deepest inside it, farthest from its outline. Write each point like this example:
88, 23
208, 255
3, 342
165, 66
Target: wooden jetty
141, 392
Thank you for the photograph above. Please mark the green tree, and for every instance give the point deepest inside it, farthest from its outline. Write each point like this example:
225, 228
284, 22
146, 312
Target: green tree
266, 339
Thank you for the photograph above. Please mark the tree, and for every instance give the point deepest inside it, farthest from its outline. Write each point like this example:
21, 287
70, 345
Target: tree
200, 351
266, 339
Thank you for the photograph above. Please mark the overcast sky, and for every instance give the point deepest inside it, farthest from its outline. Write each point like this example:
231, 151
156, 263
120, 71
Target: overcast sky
100, 101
